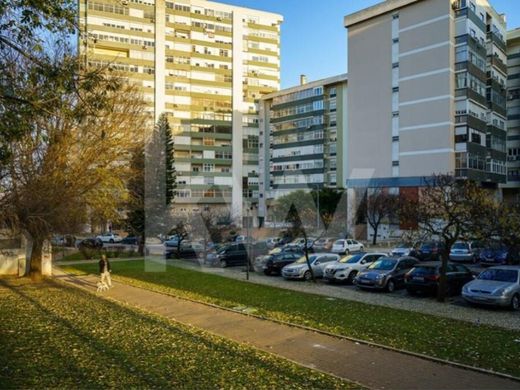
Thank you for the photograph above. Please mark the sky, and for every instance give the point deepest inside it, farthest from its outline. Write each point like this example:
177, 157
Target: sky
314, 41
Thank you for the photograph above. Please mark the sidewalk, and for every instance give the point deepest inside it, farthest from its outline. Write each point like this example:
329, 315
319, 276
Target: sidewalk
372, 367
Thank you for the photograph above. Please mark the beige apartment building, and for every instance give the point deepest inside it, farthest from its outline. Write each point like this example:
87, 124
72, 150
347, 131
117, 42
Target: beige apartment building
427, 94
303, 139
206, 65
512, 187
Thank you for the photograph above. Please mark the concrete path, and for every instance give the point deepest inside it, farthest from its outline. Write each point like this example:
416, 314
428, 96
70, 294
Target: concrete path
373, 367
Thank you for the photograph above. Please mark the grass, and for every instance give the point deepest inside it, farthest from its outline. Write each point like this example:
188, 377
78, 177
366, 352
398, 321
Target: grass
53, 336
458, 341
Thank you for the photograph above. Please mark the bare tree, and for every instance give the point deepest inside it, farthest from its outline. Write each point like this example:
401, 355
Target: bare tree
377, 206
70, 164
448, 209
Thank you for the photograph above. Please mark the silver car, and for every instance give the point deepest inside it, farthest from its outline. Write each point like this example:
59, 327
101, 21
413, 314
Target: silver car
300, 270
464, 251
496, 286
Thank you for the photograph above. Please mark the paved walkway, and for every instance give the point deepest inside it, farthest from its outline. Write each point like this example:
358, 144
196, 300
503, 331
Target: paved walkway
375, 368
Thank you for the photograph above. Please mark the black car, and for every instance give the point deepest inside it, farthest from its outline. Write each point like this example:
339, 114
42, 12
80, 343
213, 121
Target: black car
429, 251
130, 240
186, 251
274, 263
424, 278
90, 243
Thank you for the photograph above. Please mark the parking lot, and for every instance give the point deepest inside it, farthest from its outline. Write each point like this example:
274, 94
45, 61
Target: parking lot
455, 307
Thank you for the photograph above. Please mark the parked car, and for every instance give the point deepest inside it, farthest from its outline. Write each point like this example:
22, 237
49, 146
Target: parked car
300, 270
405, 249
130, 240
237, 253
188, 250
323, 244
496, 286
300, 242
494, 254
273, 264
465, 251
346, 246
272, 241
387, 273
346, 268
287, 248
110, 237
172, 241
424, 278
90, 243
429, 251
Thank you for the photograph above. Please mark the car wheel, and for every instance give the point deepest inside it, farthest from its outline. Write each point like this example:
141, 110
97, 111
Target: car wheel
111, 241
390, 286
267, 272
515, 302
223, 263
307, 275
351, 276
347, 252
474, 260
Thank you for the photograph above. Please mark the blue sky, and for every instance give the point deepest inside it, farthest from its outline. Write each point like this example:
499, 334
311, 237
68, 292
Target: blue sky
314, 41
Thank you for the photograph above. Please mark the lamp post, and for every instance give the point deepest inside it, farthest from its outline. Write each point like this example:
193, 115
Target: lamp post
318, 207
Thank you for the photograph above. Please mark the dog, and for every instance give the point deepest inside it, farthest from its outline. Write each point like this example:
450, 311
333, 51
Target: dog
102, 286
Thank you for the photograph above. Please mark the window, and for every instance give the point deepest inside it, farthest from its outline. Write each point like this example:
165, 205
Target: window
208, 167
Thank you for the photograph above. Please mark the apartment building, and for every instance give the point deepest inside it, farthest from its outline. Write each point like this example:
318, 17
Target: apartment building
303, 139
512, 188
427, 93
206, 65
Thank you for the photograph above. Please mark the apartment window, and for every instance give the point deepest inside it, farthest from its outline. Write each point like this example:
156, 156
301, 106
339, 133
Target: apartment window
472, 7
208, 167
395, 16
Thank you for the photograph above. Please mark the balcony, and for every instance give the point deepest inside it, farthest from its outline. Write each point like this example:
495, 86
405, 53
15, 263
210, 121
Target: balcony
471, 94
497, 63
499, 42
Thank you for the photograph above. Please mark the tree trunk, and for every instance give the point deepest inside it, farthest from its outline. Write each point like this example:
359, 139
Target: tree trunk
141, 244
374, 239
441, 291
306, 251
35, 262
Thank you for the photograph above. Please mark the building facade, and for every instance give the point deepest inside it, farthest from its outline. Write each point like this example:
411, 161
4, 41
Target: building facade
303, 139
427, 93
206, 65
512, 188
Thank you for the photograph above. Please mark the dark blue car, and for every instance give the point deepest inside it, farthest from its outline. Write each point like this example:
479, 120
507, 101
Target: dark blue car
494, 254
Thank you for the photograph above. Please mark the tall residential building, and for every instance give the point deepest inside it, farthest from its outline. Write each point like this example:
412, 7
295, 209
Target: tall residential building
303, 139
426, 93
205, 64
512, 188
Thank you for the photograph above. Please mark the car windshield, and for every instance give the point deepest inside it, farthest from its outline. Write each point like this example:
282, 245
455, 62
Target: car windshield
383, 264
352, 259
303, 260
496, 246
424, 270
427, 245
404, 245
460, 245
500, 275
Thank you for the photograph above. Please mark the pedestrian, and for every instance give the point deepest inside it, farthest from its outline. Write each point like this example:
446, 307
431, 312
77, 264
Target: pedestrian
104, 270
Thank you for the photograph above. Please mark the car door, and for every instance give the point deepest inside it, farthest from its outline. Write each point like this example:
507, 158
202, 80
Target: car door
321, 263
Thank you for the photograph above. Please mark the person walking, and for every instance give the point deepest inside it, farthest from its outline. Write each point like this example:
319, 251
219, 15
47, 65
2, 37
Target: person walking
104, 270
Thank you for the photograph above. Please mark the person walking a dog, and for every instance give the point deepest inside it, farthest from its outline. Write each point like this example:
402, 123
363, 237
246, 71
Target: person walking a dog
104, 270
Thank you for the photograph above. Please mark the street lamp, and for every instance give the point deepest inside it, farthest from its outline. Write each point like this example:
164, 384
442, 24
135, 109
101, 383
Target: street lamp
318, 207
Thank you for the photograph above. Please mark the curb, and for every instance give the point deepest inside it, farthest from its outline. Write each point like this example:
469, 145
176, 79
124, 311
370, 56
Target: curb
326, 333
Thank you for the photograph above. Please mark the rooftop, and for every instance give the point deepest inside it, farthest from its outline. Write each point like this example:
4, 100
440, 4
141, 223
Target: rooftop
376, 10
326, 81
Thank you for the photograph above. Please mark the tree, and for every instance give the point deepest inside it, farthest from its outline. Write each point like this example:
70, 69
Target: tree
135, 218
181, 230
171, 175
298, 209
448, 209
69, 162
376, 206
29, 32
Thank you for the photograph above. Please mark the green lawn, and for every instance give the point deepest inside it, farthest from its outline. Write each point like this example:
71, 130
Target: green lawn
55, 336
478, 345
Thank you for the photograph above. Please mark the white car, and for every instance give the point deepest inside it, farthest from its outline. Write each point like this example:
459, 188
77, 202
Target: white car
300, 270
110, 237
346, 269
272, 241
346, 246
